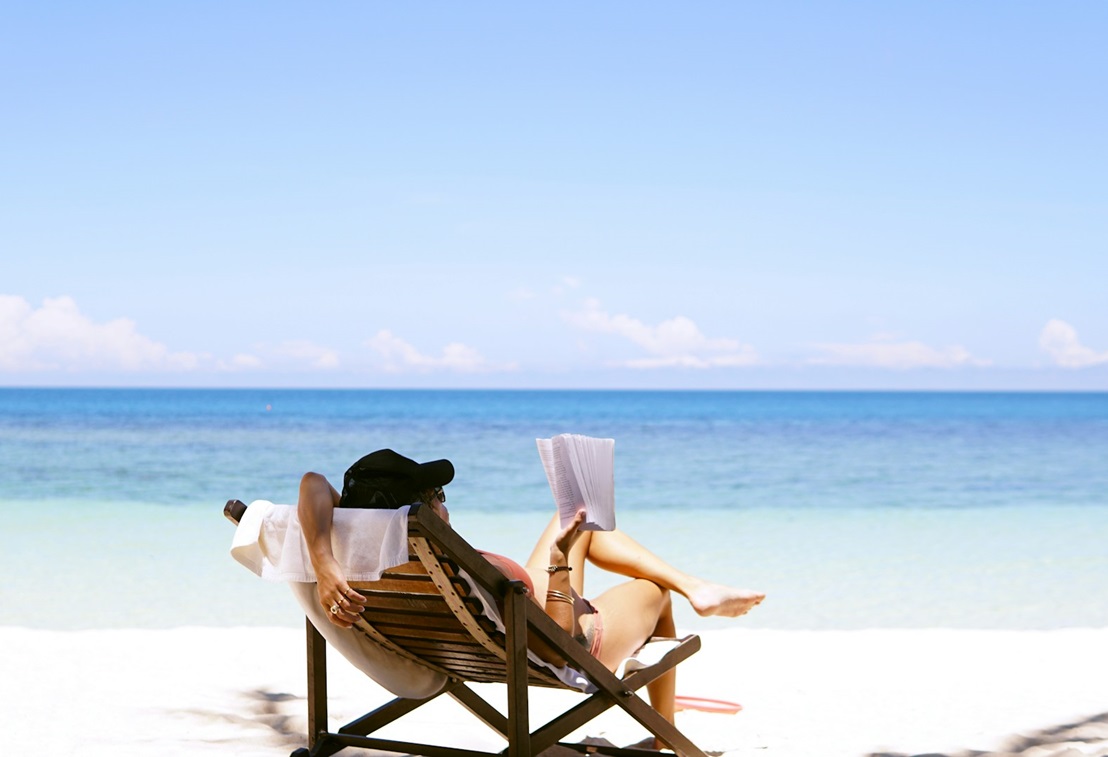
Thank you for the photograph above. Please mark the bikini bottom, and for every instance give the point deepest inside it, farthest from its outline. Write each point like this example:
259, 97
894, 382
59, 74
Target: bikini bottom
592, 629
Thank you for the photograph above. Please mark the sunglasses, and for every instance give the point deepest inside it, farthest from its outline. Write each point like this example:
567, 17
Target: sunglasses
440, 494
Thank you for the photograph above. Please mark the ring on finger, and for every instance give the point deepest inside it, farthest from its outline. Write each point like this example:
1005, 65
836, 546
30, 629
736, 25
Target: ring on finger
335, 609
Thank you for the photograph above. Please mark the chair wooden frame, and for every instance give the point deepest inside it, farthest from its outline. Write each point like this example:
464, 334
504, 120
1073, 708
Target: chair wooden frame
423, 610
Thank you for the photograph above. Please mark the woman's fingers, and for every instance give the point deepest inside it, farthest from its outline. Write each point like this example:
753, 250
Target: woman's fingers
354, 597
344, 611
342, 604
573, 526
568, 535
353, 602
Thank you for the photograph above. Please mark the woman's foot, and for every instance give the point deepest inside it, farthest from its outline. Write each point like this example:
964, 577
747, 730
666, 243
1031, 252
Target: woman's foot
716, 599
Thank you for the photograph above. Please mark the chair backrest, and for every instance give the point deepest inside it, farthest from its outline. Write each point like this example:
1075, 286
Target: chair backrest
427, 611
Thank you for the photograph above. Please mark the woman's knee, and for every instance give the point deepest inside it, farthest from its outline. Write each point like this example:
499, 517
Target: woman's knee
314, 485
312, 479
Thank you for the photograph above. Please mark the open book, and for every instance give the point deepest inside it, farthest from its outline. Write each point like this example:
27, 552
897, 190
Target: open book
581, 472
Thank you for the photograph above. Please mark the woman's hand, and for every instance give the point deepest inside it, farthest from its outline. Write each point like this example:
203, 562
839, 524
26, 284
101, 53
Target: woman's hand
567, 537
342, 604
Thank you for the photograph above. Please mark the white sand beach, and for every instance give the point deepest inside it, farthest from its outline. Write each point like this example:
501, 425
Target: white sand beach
241, 691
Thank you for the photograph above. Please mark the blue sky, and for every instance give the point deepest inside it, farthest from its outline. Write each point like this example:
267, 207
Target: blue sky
620, 194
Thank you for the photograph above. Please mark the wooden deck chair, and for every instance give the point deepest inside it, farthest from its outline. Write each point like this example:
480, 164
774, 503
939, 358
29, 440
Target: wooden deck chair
426, 611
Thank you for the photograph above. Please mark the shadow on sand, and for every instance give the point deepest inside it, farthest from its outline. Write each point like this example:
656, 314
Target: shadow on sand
1085, 738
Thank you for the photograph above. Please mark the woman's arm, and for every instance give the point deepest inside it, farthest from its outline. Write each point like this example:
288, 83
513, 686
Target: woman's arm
315, 508
559, 594
558, 602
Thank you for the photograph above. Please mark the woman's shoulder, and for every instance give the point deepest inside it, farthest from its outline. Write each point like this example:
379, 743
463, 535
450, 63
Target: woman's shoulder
509, 568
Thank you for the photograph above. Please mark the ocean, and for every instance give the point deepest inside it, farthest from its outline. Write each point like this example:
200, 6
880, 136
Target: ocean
849, 509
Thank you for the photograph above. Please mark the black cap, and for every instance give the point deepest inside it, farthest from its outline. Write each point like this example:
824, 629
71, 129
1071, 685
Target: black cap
386, 479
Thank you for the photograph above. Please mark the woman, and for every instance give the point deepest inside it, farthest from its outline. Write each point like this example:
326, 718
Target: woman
612, 625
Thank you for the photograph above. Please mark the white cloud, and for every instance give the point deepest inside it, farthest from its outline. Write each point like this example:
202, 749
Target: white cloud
677, 342
398, 356
307, 353
57, 336
296, 355
884, 352
1059, 340
244, 361
564, 285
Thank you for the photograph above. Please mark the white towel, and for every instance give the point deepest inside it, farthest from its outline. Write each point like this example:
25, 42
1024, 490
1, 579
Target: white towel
366, 543
649, 654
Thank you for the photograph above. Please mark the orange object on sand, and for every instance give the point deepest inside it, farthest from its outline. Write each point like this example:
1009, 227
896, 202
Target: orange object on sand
706, 705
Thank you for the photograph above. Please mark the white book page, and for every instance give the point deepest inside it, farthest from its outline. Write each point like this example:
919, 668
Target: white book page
592, 461
563, 484
581, 473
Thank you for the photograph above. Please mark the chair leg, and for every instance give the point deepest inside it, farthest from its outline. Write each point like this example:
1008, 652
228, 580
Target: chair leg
317, 684
515, 626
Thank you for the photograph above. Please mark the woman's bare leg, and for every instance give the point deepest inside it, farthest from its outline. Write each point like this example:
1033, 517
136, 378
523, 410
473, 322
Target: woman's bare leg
617, 552
631, 613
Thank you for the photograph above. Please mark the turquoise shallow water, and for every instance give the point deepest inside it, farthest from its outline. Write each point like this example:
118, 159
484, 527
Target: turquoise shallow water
134, 565
849, 510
